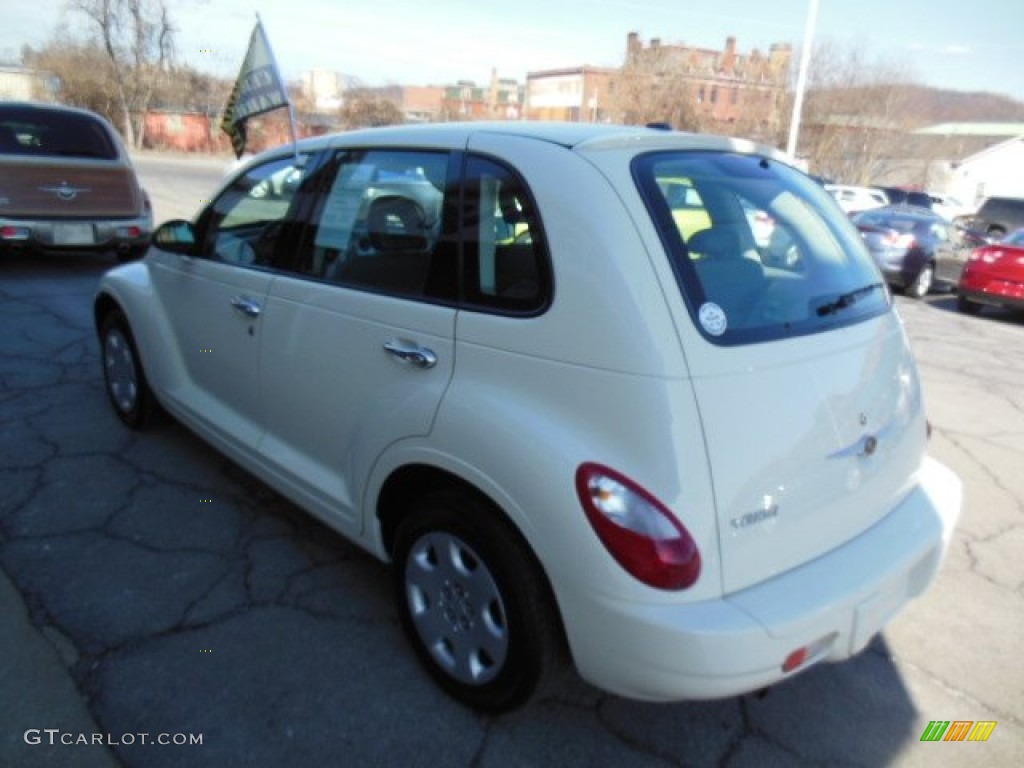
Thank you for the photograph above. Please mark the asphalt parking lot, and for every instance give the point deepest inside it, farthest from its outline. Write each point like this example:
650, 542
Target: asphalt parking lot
151, 591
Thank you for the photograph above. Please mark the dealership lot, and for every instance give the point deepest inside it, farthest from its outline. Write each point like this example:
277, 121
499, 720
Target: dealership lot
185, 598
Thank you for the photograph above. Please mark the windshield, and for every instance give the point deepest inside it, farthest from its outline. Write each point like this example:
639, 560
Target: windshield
758, 248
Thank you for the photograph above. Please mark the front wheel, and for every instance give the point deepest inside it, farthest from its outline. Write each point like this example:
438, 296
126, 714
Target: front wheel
122, 371
473, 602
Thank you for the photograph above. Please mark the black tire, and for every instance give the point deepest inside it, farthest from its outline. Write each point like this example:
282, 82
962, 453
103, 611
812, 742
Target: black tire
125, 380
919, 288
967, 306
473, 602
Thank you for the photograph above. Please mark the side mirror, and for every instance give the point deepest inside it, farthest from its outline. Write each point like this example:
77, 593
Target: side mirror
176, 236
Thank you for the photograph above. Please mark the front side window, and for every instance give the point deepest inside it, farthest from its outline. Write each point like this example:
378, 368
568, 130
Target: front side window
245, 223
766, 255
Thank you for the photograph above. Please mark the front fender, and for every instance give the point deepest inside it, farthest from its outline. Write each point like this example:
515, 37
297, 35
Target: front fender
130, 288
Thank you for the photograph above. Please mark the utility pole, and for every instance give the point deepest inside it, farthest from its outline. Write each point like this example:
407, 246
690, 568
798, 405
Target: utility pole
801, 80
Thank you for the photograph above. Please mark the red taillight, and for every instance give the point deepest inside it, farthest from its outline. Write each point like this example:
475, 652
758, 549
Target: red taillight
898, 240
637, 530
10, 232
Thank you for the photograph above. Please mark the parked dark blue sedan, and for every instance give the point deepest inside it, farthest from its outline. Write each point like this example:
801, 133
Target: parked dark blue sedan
913, 247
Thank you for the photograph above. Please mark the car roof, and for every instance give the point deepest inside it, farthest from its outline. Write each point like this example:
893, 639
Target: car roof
575, 136
27, 107
902, 211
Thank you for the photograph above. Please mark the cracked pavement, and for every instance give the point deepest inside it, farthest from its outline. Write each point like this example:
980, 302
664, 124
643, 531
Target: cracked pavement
159, 589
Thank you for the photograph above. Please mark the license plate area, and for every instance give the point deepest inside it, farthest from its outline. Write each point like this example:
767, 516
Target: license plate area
73, 234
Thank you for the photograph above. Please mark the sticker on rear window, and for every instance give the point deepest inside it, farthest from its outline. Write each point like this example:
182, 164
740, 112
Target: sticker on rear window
712, 319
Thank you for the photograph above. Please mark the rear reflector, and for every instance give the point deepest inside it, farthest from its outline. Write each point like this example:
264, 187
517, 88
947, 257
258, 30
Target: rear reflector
809, 652
795, 659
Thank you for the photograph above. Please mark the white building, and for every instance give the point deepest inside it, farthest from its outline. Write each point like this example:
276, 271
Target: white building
997, 170
324, 89
21, 84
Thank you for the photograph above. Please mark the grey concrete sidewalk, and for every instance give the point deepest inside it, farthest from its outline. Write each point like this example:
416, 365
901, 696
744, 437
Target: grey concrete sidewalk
32, 667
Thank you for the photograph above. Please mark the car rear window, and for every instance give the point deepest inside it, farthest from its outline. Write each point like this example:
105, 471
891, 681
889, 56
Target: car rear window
897, 222
39, 132
759, 250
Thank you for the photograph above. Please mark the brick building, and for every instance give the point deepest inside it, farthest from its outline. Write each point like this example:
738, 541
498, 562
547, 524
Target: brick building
723, 86
576, 94
500, 99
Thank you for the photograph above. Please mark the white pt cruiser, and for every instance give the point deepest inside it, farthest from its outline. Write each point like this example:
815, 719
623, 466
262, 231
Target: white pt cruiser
552, 376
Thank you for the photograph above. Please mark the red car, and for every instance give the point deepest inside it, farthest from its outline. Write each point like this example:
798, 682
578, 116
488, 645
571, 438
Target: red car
994, 276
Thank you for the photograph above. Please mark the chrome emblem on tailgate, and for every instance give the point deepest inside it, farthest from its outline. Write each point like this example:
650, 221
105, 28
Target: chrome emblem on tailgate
65, 191
865, 445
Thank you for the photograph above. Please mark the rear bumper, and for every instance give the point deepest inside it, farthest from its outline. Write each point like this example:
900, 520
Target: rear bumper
738, 644
76, 234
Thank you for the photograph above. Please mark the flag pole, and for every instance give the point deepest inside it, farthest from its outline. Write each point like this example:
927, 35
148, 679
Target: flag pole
287, 96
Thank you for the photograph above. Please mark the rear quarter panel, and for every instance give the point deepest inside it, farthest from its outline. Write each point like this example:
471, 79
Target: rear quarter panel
598, 377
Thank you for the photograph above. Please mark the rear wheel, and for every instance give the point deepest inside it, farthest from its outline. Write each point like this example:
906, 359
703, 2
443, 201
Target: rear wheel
967, 306
122, 370
922, 283
473, 601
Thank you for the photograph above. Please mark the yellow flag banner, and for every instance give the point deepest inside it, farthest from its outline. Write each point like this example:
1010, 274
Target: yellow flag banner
258, 89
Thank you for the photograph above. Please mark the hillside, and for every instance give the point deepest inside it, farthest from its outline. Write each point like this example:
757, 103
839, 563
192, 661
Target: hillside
935, 105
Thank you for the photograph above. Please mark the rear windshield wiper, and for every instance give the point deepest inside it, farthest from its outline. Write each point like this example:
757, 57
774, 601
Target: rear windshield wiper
845, 300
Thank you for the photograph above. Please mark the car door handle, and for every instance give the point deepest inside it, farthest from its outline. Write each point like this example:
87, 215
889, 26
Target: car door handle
246, 306
411, 353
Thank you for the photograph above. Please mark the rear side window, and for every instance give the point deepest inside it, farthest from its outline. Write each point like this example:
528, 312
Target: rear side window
505, 265
765, 255
45, 132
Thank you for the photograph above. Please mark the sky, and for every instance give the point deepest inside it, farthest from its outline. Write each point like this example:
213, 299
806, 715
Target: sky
972, 46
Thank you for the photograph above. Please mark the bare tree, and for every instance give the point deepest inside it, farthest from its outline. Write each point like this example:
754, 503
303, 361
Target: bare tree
138, 39
651, 88
366, 108
857, 114
81, 71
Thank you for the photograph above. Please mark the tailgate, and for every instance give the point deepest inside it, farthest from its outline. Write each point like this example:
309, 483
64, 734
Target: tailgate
81, 188
812, 449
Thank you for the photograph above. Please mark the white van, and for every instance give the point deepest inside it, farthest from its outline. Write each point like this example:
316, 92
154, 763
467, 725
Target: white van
551, 374
853, 199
